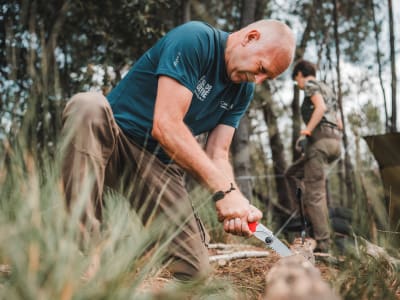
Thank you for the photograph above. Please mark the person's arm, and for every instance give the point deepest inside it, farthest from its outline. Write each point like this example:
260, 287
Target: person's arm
339, 121
172, 103
217, 149
318, 113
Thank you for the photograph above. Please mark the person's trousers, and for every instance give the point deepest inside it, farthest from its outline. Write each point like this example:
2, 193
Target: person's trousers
99, 154
309, 174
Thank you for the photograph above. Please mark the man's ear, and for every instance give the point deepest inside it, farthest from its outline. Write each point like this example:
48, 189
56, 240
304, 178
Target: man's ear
252, 35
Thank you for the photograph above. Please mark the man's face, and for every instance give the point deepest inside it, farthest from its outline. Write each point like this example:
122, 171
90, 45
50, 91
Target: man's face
254, 62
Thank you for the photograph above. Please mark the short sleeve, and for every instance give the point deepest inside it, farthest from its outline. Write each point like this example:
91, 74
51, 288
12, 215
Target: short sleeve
311, 88
183, 55
233, 116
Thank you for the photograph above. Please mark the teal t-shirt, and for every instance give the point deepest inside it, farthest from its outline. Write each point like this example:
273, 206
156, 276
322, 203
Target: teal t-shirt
192, 54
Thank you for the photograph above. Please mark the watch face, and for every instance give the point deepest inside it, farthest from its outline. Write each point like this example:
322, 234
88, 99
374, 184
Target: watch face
218, 196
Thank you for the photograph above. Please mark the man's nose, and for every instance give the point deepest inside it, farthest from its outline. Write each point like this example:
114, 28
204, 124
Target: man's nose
260, 78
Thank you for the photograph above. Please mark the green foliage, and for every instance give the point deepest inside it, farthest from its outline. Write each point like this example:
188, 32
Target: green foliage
49, 44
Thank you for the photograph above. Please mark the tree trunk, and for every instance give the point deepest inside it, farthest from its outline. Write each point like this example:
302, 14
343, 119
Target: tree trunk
248, 12
347, 162
260, 13
186, 11
296, 118
378, 59
240, 144
277, 149
241, 157
393, 125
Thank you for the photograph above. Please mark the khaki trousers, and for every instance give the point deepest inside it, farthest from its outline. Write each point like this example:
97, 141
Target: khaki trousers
101, 154
308, 173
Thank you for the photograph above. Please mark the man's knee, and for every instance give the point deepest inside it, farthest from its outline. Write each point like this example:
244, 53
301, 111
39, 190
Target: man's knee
85, 106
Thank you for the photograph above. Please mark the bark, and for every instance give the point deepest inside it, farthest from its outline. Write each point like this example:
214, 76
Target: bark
277, 148
296, 118
323, 44
348, 166
240, 144
186, 11
261, 5
11, 102
248, 12
393, 123
378, 59
241, 157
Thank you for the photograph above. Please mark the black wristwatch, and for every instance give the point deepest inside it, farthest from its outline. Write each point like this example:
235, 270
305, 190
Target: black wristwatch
221, 194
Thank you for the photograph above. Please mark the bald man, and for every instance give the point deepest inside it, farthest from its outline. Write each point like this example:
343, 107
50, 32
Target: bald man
141, 137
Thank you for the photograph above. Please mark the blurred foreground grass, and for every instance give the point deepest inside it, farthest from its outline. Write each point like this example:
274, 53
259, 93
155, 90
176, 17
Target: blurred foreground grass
39, 241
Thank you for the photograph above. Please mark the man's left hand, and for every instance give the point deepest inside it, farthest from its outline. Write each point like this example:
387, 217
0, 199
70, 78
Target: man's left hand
239, 226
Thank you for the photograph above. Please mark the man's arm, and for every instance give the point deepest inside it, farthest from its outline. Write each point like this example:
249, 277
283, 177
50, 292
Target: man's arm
217, 149
172, 103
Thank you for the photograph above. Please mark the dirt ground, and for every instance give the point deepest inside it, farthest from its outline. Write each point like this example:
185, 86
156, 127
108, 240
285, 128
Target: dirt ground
249, 274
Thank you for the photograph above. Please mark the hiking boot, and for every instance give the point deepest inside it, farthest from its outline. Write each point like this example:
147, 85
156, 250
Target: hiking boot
323, 246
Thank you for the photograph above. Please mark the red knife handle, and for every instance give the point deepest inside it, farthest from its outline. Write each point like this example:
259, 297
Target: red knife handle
253, 226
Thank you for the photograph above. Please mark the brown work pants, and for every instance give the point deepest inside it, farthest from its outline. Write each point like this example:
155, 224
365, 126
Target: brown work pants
100, 154
309, 174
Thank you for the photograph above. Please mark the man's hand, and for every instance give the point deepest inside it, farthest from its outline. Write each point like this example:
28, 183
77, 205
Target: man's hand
236, 212
240, 226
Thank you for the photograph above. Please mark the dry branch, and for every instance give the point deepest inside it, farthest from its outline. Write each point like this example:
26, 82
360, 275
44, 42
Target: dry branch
227, 246
238, 255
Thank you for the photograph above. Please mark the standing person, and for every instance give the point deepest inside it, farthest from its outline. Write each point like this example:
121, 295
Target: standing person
141, 136
320, 144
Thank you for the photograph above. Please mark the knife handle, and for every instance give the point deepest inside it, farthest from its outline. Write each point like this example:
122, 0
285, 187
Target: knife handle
253, 226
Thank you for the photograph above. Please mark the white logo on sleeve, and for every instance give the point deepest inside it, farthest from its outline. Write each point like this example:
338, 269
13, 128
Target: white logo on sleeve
177, 59
203, 88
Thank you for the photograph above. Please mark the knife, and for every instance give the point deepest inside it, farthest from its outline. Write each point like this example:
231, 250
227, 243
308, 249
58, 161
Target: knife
265, 235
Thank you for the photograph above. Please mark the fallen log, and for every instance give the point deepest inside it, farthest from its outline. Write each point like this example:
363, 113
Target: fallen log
294, 277
5, 269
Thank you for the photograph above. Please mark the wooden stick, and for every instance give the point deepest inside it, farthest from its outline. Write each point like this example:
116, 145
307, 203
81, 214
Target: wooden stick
238, 255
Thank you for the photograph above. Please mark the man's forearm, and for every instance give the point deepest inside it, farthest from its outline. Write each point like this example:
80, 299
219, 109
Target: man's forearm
225, 166
183, 148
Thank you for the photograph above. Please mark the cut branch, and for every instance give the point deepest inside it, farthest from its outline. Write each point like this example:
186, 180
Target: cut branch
239, 255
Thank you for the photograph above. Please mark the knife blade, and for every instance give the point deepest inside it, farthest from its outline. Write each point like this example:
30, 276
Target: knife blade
265, 235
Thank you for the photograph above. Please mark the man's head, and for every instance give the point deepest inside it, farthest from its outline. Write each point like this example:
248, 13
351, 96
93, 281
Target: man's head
259, 51
303, 70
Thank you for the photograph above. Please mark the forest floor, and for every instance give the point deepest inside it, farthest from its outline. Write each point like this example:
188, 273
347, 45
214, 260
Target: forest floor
247, 275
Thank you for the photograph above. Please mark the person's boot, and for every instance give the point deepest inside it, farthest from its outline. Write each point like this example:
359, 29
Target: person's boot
323, 246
